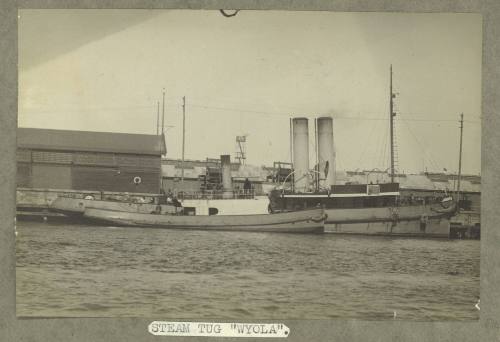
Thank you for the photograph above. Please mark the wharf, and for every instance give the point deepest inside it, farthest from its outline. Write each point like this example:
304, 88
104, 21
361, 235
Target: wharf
466, 225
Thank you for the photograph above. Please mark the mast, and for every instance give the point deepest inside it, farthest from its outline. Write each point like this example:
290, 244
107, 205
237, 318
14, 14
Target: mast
460, 157
163, 114
291, 156
316, 155
391, 120
291, 144
183, 136
158, 118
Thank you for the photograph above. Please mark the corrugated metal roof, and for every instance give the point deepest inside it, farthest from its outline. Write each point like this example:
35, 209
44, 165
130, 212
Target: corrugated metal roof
64, 140
174, 171
256, 173
415, 182
420, 182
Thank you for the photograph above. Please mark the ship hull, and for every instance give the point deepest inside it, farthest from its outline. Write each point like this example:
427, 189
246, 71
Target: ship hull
422, 221
307, 221
435, 228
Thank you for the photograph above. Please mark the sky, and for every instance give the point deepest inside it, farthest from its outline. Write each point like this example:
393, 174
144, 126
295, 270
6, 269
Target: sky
105, 70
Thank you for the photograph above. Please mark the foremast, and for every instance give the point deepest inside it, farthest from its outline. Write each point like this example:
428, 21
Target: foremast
392, 114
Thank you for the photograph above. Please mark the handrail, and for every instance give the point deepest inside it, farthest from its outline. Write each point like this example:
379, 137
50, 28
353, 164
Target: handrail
70, 191
305, 175
215, 194
283, 185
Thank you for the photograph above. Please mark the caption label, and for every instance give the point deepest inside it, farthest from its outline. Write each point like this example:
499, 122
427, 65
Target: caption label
218, 329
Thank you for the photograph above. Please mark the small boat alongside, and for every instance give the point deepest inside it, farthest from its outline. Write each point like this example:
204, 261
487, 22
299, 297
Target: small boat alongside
76, 206
304, 221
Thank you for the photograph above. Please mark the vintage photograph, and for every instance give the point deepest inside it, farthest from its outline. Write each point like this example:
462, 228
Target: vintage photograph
225, 164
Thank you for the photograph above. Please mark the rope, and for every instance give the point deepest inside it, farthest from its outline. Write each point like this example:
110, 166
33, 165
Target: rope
227, 15
431, 159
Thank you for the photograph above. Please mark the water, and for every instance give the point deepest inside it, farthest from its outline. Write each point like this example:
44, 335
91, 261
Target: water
80, 271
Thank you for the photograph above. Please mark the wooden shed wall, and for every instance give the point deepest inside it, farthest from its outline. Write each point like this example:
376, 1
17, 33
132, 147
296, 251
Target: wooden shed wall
23, 175
50, 176
113, 179
88, 171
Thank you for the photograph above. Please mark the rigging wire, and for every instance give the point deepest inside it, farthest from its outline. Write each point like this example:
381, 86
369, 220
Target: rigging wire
385, 154
424, 149
381, 146
376, 152
375, 117
366, 144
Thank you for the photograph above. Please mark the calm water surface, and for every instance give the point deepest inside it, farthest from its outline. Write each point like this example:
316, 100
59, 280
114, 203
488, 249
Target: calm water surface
80, 271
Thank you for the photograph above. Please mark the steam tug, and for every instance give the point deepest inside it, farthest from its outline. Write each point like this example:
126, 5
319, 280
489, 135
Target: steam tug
353, 208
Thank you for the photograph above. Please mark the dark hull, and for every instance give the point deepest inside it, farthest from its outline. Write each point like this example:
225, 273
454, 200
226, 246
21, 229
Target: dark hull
410, 221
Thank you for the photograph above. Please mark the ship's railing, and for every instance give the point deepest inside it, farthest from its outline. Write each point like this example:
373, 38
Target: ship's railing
38, 197
215, 194
422, 200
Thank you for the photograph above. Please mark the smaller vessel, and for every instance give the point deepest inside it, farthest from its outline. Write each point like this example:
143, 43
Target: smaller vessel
75, 207
304, 221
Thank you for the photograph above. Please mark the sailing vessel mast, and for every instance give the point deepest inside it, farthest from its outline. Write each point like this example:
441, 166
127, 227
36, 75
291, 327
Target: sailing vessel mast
158, 118
163, 114
183, 136
460, 159
391, 119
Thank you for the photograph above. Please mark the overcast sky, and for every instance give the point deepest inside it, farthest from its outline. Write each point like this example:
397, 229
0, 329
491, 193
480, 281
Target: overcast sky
104, 70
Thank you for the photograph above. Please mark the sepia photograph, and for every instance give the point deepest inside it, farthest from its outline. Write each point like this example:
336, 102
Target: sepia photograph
225, 164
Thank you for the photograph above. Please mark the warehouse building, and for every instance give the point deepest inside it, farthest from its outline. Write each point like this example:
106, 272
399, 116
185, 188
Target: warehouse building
94, 161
